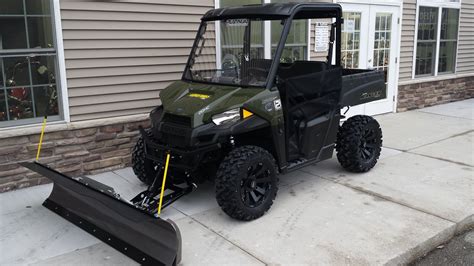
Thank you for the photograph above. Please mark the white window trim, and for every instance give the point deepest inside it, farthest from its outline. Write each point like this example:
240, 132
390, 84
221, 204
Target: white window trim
397, 77
371, 2
61, 61
308, 44
218, 38
267, 39
440, 4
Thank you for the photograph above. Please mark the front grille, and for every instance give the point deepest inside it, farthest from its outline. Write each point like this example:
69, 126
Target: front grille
172, 129
175, 135
177, 119
174, 141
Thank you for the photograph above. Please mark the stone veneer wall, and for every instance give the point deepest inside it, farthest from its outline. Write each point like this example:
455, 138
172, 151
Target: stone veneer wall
73, 152
92, 150
425, 94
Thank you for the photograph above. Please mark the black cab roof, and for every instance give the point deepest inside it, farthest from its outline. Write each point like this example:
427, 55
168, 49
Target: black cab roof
276, 11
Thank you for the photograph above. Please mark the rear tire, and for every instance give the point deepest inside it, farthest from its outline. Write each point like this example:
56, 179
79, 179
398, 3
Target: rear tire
359, 143
246, 183
144, 169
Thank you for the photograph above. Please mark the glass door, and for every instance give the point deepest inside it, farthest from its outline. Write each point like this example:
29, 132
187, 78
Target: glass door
383, 52
370, 41
354, 42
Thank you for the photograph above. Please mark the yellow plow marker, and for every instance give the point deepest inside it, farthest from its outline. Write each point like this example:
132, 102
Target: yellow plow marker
43, 127
164, 182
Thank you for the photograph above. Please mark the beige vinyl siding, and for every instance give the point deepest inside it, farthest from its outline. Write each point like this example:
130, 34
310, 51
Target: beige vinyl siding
119, 55
465, 60
407, 39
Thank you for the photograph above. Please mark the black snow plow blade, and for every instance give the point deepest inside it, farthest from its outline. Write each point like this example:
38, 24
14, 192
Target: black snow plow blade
97, 209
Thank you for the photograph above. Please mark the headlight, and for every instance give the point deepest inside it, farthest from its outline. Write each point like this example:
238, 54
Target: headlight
230, 116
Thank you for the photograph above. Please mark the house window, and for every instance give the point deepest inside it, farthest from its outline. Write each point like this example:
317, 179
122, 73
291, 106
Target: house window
28, 62
448, 40
436, 37
296, 47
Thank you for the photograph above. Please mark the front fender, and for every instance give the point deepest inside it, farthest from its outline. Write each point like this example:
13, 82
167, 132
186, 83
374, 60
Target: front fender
214, 133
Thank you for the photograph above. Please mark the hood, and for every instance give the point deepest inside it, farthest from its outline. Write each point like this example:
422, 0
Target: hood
201, 101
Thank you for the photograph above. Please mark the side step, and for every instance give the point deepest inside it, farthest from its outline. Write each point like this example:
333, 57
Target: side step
98, 210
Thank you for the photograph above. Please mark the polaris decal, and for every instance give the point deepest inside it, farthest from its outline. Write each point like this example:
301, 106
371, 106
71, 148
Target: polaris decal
199, 96
371, 95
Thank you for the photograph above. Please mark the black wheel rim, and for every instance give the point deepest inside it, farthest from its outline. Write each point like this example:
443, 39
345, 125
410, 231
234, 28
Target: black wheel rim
368, 144
256, 187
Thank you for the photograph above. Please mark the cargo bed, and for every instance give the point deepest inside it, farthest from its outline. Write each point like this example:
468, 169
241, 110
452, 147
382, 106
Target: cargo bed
361, 86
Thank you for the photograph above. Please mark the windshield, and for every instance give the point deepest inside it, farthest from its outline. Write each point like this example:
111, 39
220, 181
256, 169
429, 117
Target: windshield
240, 61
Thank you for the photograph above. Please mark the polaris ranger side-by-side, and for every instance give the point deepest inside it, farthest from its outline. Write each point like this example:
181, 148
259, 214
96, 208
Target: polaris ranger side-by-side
242, 114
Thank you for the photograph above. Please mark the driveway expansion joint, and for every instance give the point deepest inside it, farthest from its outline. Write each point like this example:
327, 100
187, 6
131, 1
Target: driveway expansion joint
225, 238
440, 140
382, 197
441, 159
449, 116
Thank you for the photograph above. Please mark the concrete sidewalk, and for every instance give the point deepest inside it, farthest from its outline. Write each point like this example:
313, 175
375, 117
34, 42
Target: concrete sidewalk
418, 196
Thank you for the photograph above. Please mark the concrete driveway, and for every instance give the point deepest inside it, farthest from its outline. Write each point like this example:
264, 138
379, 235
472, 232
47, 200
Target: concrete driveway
419, 195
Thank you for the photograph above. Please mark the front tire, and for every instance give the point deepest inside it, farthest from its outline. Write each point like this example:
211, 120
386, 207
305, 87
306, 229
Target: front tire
359, 143
246, 183
144, 169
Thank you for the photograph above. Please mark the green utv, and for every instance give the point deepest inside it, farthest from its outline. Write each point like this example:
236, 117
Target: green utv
257, 113
250, 106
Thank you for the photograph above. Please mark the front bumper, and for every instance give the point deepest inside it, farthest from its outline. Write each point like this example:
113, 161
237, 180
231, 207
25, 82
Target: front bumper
187, 160
190, 147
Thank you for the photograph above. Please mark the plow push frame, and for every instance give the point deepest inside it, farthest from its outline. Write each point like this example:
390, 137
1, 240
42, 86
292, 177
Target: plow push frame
133, 228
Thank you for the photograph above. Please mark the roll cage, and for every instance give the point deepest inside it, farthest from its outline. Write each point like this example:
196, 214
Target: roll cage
287, 12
